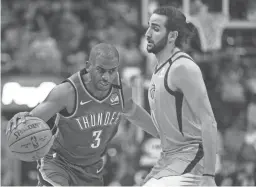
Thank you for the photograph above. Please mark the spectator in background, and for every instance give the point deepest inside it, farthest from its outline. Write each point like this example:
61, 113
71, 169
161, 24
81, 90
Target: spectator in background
251, 120
219, 157
43, 55
6, 14
251, 15
232, 91
239, 158
131, 55
71, 37
251, 113
10, 37
16, 40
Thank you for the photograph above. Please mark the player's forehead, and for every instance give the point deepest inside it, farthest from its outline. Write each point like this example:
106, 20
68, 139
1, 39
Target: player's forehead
157, 20
106, 63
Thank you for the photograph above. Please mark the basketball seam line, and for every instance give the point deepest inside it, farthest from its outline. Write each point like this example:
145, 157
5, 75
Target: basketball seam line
33, 150
28, 135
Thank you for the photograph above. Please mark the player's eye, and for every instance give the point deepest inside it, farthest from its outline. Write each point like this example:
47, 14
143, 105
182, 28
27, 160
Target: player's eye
100, 70
156, 29
112, 70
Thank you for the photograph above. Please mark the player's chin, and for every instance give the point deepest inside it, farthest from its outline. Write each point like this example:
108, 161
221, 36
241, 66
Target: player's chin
150, 48
103, 87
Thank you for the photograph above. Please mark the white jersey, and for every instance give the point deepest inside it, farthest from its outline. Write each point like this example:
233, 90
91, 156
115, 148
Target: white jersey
177, 124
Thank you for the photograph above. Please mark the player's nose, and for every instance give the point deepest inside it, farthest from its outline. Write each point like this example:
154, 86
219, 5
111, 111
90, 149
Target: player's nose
106, 76
148, 34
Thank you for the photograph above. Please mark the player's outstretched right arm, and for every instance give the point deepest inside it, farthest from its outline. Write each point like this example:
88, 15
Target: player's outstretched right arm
62, 96
136, 114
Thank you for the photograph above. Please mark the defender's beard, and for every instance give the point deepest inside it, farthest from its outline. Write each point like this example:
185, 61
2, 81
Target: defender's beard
156, 48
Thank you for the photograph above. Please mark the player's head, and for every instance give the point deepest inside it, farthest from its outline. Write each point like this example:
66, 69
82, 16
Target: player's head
167, 26
103, 65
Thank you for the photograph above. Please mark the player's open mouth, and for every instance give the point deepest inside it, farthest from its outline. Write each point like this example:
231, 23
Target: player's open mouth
104, 83
150, 44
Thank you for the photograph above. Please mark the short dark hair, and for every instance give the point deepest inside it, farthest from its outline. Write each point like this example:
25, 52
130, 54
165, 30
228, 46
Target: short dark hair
104, 50
176, 21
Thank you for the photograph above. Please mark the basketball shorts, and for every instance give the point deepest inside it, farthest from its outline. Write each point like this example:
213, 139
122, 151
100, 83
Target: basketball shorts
178, 164
54, 170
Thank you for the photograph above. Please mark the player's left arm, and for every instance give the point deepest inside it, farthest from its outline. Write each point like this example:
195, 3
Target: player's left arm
136, 114
188, 78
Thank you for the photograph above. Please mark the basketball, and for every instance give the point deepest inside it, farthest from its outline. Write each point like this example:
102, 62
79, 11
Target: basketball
31, 140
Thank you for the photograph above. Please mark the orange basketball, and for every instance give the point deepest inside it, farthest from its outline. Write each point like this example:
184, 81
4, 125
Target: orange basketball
31, 140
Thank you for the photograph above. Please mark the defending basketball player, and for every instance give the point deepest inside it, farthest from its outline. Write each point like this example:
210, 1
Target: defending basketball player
179, 103
90, 105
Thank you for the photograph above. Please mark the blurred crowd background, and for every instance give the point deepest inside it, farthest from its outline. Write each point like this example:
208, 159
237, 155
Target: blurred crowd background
45, 41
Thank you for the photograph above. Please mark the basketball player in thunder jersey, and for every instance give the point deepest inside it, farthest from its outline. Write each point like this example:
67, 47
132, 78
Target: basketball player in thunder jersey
90, 105
179, 104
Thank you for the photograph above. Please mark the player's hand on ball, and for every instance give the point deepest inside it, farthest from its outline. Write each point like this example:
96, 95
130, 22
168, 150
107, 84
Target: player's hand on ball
13, 123
28, 138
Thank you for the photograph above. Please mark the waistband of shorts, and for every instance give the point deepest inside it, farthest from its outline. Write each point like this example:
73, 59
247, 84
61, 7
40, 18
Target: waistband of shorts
68, 157
71, 163
87, 170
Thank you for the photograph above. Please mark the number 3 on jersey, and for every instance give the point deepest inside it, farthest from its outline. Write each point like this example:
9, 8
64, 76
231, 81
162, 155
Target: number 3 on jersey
96, 136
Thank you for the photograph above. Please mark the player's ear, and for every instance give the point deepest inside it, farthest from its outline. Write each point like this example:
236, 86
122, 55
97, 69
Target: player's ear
88, 66
172, 36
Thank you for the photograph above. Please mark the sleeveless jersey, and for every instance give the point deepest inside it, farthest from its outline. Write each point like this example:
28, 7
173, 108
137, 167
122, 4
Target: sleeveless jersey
173, 117
84, 134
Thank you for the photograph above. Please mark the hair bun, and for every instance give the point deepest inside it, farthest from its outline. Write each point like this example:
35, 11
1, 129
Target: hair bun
190, 31
190, 27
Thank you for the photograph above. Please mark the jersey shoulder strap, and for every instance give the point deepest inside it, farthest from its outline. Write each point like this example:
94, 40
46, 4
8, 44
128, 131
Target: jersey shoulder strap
119, 87
180, 56
75, 82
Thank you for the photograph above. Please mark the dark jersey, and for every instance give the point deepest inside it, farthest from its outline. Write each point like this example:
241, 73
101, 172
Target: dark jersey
84, 134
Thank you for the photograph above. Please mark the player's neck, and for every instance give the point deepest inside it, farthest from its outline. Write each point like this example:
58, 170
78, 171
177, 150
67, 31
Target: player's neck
165, 54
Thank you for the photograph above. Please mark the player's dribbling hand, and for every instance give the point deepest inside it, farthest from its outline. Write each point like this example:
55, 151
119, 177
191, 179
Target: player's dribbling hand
13, 123
207, 181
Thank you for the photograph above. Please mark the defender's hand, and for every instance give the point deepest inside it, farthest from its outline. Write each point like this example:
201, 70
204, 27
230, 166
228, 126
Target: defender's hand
182, 180
13, 123
189, 179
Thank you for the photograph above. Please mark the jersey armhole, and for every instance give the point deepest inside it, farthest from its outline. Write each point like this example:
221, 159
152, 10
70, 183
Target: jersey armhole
178, 99
166, 85
64, 112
